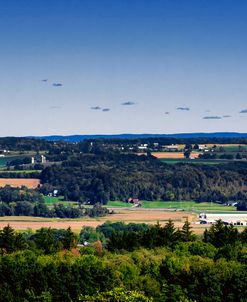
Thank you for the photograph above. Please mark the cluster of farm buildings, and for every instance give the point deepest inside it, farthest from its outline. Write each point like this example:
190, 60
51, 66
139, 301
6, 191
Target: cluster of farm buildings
237, 219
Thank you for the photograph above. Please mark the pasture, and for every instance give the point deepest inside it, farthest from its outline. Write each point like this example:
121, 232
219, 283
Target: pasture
233, 147
50, 200
195, 161
190, 206
20, 171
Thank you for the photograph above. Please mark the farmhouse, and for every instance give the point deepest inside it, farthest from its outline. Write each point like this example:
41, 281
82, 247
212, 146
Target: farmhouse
135, 201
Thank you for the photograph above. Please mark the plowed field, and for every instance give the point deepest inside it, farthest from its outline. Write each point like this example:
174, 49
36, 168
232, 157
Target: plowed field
174, 155
148, 216
30, 183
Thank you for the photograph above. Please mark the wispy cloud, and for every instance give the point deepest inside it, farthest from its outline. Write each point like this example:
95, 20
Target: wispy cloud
57, 84
213, 117
106, 109
55, 107
167, 112
243, 111
96, 108
44, 80
128, 103
226, 116
183, 108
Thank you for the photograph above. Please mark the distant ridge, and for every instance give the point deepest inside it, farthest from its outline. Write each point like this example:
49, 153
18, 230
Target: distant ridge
79, 138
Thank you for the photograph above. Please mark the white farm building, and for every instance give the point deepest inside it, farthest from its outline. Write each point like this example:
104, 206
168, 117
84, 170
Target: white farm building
238, 219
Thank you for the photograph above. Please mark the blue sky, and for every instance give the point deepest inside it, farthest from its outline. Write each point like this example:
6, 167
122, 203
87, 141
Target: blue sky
125, 66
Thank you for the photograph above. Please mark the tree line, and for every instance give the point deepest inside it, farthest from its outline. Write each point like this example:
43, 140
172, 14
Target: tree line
57, 210
28, 202
48, 265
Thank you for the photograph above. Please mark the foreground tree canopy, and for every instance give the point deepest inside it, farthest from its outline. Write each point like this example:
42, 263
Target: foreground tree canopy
166, 264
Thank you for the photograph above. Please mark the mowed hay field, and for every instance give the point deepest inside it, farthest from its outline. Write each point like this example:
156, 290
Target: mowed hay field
135, 216
174, 155
30, 183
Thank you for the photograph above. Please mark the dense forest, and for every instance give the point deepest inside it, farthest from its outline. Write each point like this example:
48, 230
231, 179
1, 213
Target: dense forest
103, 176
23, 144
120, 263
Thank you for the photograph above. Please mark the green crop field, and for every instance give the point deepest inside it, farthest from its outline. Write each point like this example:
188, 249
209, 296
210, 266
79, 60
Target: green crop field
171, 205
186, 205
194, 161
182, 205
20, 171
49, 200
235, 148
119, 204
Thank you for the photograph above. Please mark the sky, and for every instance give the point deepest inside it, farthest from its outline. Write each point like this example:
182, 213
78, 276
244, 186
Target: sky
122, 66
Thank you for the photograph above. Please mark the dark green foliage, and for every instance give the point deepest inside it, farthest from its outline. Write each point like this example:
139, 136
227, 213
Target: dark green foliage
51, 240
182, 271
219, 234
243, 236
93, 178
186, 232
90, 235
45, 240
24, 174
30, 144
27, 202
11, 241
41, 210
69, 239
148, 237
20, 161
242, 205
97, 211
9, 194
109, 227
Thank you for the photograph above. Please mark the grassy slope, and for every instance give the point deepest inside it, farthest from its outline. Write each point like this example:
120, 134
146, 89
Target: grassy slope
119, 204
49, 200
194, 161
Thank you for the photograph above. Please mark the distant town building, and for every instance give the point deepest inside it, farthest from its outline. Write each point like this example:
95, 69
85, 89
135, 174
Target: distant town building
172, 148
143, 146
203, 148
